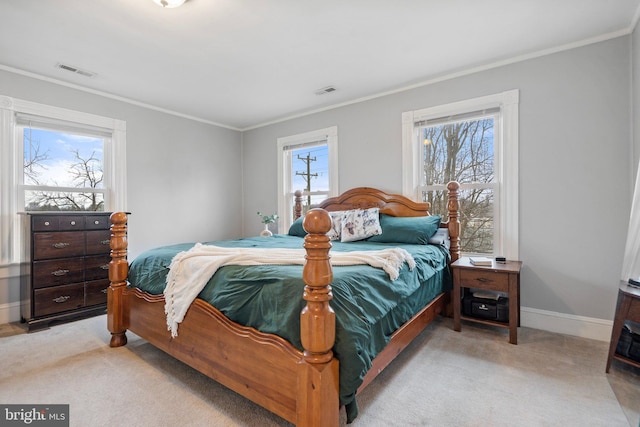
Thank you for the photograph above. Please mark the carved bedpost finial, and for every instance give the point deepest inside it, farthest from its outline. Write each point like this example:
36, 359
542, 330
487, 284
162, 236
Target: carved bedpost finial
454, 223
118, 271
317, 320
297, 210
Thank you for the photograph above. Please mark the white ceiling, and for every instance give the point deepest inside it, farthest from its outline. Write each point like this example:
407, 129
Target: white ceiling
244, 63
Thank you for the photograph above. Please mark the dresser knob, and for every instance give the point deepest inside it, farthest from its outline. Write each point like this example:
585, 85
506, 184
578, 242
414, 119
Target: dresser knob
60, 245
73, 223
96, 222
104, 266
61, 299
105, 290
47, 223
105, 242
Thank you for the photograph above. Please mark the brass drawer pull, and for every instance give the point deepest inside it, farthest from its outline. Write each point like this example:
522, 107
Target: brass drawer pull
60, 245
105, 242
59, 272
104, 266
61, 299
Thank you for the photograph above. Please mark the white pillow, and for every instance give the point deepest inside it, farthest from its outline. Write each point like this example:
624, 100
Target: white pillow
360, 224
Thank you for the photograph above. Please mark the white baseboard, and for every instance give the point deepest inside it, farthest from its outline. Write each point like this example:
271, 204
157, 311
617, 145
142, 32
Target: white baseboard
569, 324
9, 313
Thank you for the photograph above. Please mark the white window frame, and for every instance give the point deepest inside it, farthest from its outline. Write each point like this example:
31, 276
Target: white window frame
285, 192
506, 160
11, 157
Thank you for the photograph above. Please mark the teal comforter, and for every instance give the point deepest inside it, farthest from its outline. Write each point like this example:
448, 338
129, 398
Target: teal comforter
368, 306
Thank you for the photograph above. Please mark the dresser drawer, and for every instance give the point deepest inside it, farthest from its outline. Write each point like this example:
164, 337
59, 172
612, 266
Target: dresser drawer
97, 222
57, 272
96, 292
476, 278
57, 299
96, 267
98, 242
61, 244
57, 223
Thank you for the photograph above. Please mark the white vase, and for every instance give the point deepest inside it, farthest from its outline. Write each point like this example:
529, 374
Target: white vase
266, 232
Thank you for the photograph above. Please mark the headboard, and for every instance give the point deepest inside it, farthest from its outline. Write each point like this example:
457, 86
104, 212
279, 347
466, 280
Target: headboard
394, 205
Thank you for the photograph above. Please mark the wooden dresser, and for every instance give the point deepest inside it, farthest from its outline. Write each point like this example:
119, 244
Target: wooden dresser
66, 267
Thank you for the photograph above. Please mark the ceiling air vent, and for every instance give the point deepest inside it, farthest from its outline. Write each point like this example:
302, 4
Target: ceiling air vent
75, 70
324, 90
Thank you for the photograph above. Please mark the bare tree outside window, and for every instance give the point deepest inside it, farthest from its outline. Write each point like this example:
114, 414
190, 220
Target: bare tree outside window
463, 151
62, 171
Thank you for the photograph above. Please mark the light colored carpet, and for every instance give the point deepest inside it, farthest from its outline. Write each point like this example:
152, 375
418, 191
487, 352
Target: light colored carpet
445, 378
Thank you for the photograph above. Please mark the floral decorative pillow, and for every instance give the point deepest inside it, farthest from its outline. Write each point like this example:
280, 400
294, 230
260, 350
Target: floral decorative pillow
336, 225
360, 224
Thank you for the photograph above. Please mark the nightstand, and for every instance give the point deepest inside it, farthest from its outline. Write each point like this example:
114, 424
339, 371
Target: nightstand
627, 308
502, 277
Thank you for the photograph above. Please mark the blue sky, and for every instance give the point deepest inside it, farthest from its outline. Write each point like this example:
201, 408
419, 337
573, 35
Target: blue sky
319, 166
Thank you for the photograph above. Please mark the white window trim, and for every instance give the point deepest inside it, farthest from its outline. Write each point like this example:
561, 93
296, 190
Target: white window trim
506, 158
331, 135
114, 163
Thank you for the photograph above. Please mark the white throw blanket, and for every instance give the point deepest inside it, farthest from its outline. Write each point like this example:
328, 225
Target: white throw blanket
190, 271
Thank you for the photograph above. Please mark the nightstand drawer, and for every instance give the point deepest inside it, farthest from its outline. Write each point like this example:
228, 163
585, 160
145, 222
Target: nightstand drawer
480, 279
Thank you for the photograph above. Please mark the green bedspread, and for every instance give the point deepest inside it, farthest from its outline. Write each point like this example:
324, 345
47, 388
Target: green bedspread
368, 306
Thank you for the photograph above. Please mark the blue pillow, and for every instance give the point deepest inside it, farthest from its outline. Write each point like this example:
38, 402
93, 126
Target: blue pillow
297, 229
414, 230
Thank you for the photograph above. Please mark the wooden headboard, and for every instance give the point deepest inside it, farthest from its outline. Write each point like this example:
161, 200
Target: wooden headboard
394, 205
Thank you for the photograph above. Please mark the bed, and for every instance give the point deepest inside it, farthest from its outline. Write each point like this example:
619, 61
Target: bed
301, 378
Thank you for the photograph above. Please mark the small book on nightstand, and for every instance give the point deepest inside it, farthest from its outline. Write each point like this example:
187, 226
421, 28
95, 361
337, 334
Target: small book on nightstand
480, 260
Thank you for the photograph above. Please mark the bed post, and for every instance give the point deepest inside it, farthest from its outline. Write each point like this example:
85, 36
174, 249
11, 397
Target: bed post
118, 271
297, 210
318, 403
454, 224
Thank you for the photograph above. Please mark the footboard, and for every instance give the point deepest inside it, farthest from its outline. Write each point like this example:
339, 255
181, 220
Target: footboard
301, 387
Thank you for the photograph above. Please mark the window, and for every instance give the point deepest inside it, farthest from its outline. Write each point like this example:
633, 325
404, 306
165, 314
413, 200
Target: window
55, 159
62, 170
474, 142
306, 162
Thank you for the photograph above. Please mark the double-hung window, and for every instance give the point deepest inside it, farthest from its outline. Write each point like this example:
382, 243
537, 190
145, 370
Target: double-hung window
307, 162
54, 160
475, 143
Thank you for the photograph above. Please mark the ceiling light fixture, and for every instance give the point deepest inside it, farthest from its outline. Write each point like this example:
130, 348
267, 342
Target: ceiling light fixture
169, 3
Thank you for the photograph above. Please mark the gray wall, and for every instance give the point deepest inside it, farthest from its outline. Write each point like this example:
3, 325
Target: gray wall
184, 180
575, 145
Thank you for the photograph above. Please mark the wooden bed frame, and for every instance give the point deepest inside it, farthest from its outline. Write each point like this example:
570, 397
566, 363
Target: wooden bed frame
301, 387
